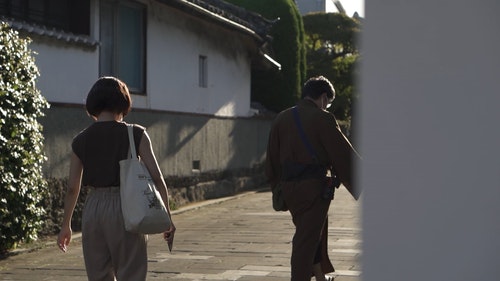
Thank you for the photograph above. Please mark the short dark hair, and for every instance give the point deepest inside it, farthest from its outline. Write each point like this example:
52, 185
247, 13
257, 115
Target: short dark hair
108, 94
316, 86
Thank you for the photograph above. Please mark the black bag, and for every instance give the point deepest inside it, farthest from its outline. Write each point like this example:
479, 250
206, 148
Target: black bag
278, 200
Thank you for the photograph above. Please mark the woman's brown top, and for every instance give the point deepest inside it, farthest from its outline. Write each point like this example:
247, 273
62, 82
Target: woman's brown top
100, 147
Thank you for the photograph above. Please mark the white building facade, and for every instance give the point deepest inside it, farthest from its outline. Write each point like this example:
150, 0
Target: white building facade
179, 58
187, 64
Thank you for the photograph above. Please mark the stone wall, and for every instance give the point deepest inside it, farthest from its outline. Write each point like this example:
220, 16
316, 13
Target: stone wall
229, 152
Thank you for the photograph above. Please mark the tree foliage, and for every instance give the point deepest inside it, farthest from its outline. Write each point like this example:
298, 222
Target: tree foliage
332, 51
278, 90
21, 142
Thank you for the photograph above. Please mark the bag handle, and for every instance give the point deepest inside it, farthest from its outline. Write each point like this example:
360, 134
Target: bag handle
303, 135
306, 142
130, 132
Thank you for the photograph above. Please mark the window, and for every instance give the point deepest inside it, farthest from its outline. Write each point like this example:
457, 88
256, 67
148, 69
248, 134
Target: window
66, 15
123, 37
203, 72
196, 166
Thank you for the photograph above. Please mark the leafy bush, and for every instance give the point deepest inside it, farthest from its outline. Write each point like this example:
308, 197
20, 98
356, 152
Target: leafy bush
22, 185
332, 51
279, 90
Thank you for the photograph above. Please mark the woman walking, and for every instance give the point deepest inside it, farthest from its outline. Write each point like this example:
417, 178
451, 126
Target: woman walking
110, 252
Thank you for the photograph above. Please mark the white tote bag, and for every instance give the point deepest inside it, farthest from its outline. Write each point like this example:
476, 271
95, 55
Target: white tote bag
142, 207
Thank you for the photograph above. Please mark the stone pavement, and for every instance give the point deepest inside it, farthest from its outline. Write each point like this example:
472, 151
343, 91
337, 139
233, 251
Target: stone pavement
237, 238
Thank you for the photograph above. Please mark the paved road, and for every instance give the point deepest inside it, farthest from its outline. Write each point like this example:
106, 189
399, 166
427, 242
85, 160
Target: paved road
239, 238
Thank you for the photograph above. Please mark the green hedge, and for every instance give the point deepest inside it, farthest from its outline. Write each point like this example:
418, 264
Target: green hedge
22, 185
333, 51
279, 90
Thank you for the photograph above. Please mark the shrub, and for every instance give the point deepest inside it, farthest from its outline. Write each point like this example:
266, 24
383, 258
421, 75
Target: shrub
22, 185
332, 51
279, 90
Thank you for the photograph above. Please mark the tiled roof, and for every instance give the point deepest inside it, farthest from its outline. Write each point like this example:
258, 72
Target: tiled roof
251, 20
40, 30
238, 17
235, 15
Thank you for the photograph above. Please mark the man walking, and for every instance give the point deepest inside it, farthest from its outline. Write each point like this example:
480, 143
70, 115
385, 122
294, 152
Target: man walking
308, 156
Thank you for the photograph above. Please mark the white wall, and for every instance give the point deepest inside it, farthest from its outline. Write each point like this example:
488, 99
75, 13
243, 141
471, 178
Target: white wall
174, 43
174, 46
66, 72
429, 137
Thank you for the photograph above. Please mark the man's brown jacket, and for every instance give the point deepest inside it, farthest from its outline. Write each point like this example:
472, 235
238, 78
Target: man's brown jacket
323, 132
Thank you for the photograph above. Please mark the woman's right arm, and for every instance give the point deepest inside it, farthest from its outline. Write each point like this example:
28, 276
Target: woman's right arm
74, 182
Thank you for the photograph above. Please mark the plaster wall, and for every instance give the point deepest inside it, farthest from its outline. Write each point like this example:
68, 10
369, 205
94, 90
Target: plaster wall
179, 140
429, 137
66, 71
175, 44
175, 41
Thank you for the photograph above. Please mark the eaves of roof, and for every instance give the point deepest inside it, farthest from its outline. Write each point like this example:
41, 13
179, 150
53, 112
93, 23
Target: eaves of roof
228, 15
234, 17
223, 13
34, 29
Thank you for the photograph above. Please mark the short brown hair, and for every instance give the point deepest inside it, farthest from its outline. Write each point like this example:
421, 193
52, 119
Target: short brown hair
108, 94
316, 86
